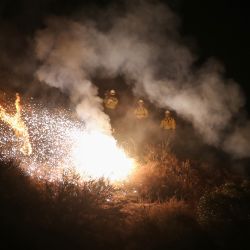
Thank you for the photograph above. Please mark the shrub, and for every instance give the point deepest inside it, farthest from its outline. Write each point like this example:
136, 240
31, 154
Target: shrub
225, 205
225, 214
162, 176
168, 225
61, 215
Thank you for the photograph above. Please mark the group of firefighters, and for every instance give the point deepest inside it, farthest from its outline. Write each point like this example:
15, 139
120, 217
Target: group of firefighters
111, 101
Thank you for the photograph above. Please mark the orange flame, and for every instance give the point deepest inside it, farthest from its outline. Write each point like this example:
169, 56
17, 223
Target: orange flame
18, 125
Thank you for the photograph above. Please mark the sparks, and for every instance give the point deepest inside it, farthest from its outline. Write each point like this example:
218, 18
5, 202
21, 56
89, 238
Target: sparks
97, 155
60, 143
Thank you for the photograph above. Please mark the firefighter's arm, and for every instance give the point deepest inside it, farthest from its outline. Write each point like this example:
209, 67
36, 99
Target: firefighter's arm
136, 111
115, 101
109, 101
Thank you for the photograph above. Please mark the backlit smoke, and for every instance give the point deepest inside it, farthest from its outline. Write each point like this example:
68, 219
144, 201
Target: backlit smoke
64, 55
143, 45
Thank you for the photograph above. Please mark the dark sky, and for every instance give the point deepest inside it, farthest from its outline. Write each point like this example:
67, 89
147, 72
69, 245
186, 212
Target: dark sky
219, 28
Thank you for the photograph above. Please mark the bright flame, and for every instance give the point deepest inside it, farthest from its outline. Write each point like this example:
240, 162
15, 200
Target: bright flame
97, 155
60, 144
19, 127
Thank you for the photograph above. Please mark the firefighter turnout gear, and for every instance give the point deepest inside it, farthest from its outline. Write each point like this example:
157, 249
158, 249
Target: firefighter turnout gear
110, 100
168, 122
140, 111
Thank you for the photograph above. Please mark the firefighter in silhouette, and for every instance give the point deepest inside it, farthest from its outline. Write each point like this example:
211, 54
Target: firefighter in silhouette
139, 126
168, 126
141, 111
110, 103
168, 122
111, 100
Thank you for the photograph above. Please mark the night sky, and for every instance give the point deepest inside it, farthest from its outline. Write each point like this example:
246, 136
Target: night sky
211, 28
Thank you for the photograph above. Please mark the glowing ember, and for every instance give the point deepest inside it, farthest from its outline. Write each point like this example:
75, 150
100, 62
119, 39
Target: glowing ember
19, 127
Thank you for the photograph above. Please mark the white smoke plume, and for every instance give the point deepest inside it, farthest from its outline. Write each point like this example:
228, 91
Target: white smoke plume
65, 54
143, 45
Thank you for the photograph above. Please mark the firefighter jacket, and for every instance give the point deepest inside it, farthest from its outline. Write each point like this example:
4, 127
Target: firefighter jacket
168, 123
141, 112
111, 102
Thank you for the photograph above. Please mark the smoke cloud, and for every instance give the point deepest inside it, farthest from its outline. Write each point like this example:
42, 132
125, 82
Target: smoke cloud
142, 44
65, 54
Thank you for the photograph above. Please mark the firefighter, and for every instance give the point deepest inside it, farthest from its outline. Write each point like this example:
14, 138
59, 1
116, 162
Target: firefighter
168, 122
111, 100
140, 111
110, 103
168, 126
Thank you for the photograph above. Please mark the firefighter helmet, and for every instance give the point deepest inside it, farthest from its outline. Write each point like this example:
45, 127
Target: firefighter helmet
112, 92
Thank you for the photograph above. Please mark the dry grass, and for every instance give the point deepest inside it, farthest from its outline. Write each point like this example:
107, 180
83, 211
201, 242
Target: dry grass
161, 214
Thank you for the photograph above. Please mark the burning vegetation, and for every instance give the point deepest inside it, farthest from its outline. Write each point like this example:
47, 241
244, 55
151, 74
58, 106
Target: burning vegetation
17, 124
61, 144
168, 204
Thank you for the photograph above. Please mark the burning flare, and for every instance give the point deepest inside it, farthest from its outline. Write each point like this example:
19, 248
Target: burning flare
19, 127
97, 155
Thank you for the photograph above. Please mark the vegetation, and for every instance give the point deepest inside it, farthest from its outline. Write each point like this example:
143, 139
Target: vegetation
167, 204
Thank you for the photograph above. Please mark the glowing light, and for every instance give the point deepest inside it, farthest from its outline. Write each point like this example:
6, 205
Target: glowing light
59, 144
97, 155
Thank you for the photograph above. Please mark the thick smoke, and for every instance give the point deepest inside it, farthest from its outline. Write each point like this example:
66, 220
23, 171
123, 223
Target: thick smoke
143, 45
65, 54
